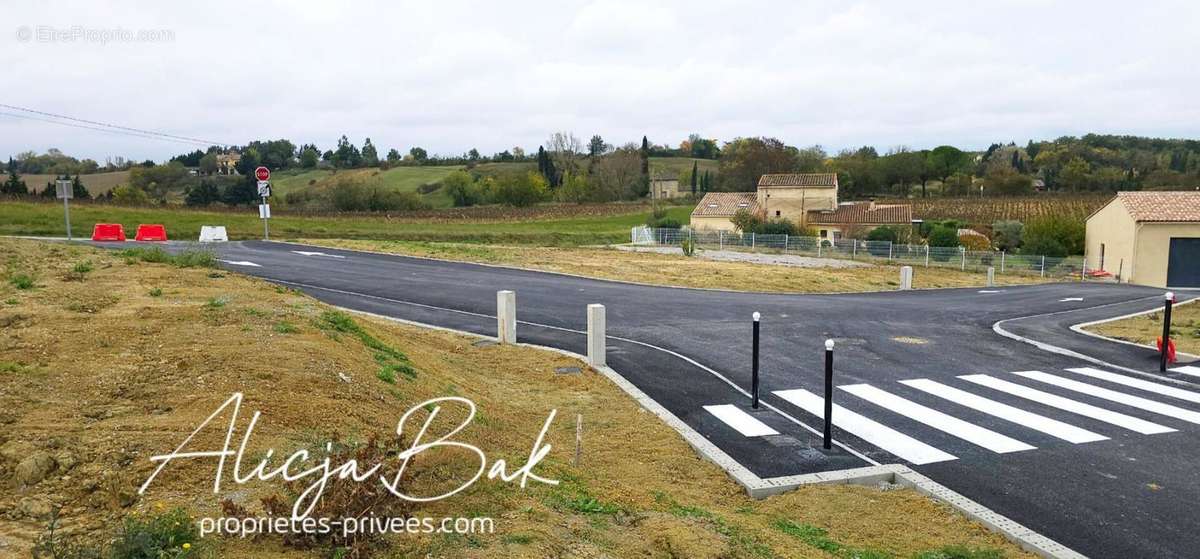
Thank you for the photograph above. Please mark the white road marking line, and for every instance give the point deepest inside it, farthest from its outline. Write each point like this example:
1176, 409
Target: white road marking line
311, 253
1070, 299
1114, 396
964, 430
989, 290
1064, 431
882, 436
1139, 384
1055, 401
241, 263
1188, 370
741, 421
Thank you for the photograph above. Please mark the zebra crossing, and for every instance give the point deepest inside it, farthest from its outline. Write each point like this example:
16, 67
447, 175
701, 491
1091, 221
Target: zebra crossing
881, 415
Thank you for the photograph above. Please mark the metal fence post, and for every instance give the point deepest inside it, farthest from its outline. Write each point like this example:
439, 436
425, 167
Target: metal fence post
1002, 261
1043, 265
854, 251
785, 241
828, 438
1165, 340
889, 251
754, 364
752, 240
926, 256
819, 243
964, 257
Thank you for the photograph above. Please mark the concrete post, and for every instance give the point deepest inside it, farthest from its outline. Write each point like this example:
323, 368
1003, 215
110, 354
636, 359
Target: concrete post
991, 276
906, 276
964, 258
596, 342
926, 256
1002, 253
506, 317
1043, 265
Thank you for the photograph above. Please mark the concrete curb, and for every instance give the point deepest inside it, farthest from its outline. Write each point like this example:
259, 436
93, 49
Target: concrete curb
758, 488
1081, 327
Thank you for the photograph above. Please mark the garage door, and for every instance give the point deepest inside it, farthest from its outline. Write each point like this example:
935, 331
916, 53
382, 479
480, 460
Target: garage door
1183, 266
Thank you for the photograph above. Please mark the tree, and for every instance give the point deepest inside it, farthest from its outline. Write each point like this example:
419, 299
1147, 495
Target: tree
521, 189
203, 194
744, 160
617, 176
1075, 174
419, 154
243, 191
695, 169
309, 157
370, 156
574, 188
129, 195
208, 163
563, 149
160, 180
346, 156
473, 155
518, 153
958, 184
1004, 181
702, 148
393, 156
944, 161
645, 155
1008, 234
462, 189
14, 185
745, 221
79, 191
810, 159
884, 233
1054, 236
597, 147
943, 237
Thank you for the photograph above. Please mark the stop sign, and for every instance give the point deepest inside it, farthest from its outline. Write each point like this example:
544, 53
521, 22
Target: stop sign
262, 173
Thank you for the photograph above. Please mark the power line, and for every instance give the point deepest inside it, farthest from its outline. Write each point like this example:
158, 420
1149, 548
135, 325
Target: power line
106, 130
117, 126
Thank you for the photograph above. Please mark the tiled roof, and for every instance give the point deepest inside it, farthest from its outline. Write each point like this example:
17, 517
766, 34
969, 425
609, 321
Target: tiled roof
1162, 206
864, 213
725, 204
804, 180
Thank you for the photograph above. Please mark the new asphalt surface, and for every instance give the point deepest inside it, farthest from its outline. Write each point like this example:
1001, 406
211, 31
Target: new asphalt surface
1105, 466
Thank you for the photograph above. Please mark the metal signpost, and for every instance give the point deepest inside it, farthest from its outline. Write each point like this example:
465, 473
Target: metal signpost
263, 175
65, 190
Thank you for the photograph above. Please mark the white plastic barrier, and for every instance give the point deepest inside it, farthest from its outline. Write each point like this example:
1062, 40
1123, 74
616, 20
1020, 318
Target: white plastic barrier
213, 234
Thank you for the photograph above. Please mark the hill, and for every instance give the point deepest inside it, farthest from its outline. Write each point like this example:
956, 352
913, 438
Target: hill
96, 183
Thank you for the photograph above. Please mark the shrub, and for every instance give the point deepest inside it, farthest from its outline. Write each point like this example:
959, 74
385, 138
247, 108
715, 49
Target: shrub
129, 195
667, 223
1008, 234
285, 327
429, 188
1054, 236
190, 258
943, 237
746, 221
884, 233
688, 246
975, 242
171, 534
520, 190
22, 281
156, 292
350, 194
778, 226
462, 189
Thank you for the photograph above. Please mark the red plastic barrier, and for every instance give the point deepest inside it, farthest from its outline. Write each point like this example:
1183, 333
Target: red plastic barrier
108, 232
1170, 349
151, 233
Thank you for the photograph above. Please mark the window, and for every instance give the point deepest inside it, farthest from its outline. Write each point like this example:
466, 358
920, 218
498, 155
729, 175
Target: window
777, 213
824, 233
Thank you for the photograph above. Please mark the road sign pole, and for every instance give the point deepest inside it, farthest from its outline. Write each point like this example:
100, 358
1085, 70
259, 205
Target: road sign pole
67, 213
754, 364
266, 228
828, 439
1166, 332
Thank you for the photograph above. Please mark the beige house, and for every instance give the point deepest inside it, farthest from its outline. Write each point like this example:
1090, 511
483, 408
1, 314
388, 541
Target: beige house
805, 199
227, 162
1147, 238
664, 188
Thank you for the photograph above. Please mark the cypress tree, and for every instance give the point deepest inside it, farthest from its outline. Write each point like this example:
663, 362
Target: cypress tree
78, 190
695, 169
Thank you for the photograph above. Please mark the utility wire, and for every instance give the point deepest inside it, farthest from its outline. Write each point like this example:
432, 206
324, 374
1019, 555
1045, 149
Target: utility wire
107, 130
117, 126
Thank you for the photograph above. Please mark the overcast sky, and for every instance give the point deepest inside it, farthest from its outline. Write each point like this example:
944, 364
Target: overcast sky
449, 76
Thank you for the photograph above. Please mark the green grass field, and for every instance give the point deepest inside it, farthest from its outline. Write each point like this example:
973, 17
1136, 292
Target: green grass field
679, 165
404, 179
46, 219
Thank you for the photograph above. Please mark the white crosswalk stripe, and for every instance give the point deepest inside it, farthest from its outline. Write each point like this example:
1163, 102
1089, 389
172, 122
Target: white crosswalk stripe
741, 421
1113, 396
1188, 370
967, 431
882, 436
1139, 384
1134, 424
1064, 431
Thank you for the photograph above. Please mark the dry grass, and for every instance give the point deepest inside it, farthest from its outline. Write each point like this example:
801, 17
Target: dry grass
681, 271
1145, 329
96, 183
161, 347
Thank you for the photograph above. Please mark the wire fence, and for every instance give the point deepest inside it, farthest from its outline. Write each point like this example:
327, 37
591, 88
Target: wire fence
873, 251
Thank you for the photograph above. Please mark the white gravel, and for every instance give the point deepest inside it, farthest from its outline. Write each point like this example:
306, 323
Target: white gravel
753, 257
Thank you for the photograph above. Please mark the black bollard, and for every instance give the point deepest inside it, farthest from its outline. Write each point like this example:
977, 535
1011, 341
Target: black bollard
828, 394
754, 365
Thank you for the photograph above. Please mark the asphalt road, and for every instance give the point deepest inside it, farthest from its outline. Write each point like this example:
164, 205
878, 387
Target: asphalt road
1095, 462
